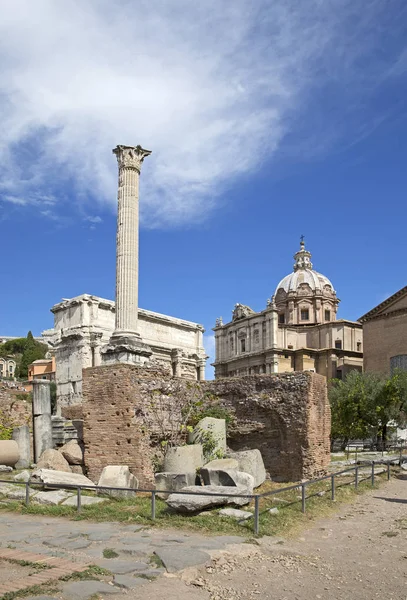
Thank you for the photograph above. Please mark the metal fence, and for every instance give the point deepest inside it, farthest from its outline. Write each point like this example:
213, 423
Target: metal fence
256, 516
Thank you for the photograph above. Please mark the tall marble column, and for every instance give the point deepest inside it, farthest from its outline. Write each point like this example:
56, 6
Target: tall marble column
126, 345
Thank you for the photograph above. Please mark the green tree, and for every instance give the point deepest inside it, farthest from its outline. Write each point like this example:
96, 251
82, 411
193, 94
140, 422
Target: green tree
33, 350
365, 404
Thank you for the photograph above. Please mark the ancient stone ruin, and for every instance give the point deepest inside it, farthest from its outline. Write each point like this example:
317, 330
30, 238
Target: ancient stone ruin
286, 417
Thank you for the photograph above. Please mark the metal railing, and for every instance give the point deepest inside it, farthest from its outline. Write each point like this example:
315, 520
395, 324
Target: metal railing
256, 516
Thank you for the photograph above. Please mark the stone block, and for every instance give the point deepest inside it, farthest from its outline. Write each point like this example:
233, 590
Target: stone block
85, 501
5, 469
23, 476
9, 453
41, 397
72, 452
52, 498
216, 429
52, 459
223, 463
21, 435
235, 513
42, 430
193, 503
251, 461
226, 477
173, 482
118, 476
77, 469
49, 476
183, 459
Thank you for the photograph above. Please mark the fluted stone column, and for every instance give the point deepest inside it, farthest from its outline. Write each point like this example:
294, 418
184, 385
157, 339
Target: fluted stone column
126, 345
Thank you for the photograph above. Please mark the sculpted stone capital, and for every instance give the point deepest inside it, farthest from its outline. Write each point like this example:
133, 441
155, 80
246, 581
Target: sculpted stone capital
130, 157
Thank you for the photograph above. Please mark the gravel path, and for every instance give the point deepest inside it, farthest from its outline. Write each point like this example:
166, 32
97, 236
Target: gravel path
360, 553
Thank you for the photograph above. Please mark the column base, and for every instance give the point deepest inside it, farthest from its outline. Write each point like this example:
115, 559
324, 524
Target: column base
126, 347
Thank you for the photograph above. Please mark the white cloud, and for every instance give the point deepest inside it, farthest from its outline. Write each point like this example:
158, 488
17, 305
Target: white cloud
211, 88
95, 220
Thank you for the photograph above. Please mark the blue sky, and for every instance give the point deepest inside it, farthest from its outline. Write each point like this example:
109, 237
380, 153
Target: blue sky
266, 121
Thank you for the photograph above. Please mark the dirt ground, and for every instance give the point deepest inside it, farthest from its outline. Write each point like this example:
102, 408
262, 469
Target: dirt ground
359, 553
14, 572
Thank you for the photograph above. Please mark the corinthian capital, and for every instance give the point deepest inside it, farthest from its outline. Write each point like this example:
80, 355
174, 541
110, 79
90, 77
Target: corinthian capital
130, 156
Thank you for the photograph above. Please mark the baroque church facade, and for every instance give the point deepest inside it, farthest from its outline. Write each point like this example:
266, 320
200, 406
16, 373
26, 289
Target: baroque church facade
297, 331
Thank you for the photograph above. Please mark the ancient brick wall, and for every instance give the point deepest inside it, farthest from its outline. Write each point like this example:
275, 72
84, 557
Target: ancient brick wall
287, 417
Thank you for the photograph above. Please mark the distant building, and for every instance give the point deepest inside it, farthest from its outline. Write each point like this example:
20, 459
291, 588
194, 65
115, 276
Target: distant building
43, 368
7, 366
84, 325
297, 330
385, 335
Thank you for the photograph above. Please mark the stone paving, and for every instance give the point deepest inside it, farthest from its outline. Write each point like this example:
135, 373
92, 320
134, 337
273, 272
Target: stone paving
139, 554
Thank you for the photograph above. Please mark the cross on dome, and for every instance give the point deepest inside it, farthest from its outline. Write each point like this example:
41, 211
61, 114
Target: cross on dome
302, 257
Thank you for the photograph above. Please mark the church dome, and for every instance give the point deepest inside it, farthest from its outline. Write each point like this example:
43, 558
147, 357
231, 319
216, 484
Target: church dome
304, 275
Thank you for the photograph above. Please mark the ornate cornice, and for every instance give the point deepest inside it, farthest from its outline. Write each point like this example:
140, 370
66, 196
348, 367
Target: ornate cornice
130, 157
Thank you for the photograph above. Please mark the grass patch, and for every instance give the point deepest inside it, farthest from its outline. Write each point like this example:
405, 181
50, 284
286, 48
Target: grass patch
93, 572
28, 563
390, 533
36, 590
156, 560
109, 553
289, 519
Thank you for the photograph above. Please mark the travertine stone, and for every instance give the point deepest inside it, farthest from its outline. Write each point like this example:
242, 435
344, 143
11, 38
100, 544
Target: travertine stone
52, 459
118, 476
9, 453
21, 435
251, 461
42, 423
173, 482
216, 429
223, 463
182, 459
49, 476
226, 477
72, 452
193, 503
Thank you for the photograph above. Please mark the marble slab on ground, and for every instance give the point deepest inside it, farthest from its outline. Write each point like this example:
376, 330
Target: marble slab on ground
122, 567
182, 557
81, 590
129, 583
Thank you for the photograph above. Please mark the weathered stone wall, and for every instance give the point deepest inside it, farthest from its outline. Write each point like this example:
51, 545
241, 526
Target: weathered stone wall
287, 417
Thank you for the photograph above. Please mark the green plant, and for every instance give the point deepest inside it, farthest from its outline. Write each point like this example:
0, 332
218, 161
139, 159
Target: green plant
109, 553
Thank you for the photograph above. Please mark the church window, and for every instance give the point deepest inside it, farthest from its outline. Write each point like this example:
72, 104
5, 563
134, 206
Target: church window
398, 362
256, 336
327, 315
359, 346
231, 344
304, 314
338, 344
243, 345
281, 318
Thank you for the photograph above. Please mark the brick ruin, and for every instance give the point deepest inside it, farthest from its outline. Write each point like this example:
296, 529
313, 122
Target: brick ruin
286, 416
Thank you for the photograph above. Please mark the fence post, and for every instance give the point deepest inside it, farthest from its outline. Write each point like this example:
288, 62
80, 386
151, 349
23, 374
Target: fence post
79, 500
256, 514
388, 471
372, 472
153, 505
27, 493
356, 477
303, 498
332, 487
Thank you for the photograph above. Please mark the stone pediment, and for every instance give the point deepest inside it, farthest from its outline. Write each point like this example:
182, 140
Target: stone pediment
241, 311
395, 303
